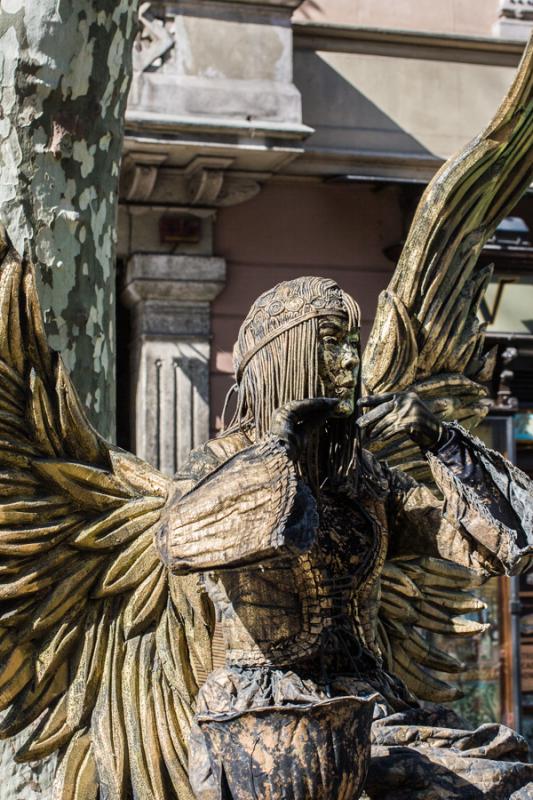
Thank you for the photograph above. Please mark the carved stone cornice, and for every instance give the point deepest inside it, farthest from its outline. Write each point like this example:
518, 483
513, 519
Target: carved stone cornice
204, 177
153, 40
170, 296
173, 278
186, 84
207, 182
210, 183
423, 45
291, 4
139, 175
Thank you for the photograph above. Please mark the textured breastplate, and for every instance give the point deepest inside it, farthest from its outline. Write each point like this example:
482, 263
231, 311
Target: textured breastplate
276, 613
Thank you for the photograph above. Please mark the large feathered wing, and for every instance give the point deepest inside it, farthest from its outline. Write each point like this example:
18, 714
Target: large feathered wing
97, 643
426, 334
427, 337
421, 597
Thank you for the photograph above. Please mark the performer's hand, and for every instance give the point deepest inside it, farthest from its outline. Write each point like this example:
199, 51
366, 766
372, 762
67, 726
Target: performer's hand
402, 413
292, 423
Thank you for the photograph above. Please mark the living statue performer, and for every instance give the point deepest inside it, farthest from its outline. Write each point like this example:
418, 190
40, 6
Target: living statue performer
343, 515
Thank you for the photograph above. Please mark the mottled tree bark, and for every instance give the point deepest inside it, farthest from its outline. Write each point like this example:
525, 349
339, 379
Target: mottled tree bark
65, 69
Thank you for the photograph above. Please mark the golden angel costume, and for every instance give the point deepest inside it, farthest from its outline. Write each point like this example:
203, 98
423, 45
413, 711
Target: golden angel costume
294, 575
324, 569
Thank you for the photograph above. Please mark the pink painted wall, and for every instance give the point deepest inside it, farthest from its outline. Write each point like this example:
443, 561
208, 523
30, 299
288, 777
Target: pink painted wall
292, 229
469, 17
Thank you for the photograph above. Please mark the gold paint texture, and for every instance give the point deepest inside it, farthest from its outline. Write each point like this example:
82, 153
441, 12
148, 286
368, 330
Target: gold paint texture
323, 577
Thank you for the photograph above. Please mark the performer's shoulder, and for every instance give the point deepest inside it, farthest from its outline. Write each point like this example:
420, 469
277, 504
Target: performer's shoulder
227, 445
206, 458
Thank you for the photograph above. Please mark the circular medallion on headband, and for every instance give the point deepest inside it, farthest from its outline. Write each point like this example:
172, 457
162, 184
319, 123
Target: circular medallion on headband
285, 306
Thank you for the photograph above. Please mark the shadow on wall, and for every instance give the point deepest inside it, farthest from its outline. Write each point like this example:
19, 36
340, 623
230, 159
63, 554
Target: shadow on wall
474, 18
343, 117
311, 9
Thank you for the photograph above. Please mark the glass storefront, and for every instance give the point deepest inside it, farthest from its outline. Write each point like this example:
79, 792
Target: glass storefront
497, 679
480, 681
524, 458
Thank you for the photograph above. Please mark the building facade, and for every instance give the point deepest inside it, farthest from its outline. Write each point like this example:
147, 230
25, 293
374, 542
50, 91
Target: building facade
267, 140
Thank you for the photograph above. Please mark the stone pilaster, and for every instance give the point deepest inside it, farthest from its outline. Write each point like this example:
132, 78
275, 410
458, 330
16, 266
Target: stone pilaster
170, 296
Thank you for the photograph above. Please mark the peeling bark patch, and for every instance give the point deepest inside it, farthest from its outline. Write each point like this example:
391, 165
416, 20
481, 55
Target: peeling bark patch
58, 134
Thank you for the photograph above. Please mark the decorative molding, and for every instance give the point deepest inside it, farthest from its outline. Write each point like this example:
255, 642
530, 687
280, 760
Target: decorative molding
238, 189
209, 183
205, 183
407, 44
170, 299
171, 319
205, 177
516, 19
517, 9
153, 41
256, 130
139, 175
173, 278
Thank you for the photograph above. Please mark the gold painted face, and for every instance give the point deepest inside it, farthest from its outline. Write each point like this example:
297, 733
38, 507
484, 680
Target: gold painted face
339, 362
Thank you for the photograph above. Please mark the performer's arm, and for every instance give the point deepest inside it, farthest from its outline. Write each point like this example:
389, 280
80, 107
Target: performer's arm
250, 509
485, 520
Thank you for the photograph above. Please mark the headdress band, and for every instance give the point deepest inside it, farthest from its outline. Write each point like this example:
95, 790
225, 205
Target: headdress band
316, 312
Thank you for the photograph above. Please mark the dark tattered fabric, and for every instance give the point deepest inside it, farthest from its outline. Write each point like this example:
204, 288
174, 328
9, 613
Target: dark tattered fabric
297, 595
268, 734
428, 754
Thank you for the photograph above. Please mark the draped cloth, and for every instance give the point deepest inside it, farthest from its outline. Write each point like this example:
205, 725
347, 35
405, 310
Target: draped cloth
270, 724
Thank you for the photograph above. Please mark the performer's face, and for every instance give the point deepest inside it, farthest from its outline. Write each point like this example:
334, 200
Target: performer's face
338, 362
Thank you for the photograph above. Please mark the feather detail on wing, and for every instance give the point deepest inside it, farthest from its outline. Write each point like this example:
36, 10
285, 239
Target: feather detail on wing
426, 335
420, 597
96, 640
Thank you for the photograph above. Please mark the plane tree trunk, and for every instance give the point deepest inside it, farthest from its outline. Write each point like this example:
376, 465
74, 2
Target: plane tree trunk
65, 70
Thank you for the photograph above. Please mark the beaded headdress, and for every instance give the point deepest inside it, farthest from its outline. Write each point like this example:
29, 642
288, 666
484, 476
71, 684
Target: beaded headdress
276, 360
289, 304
